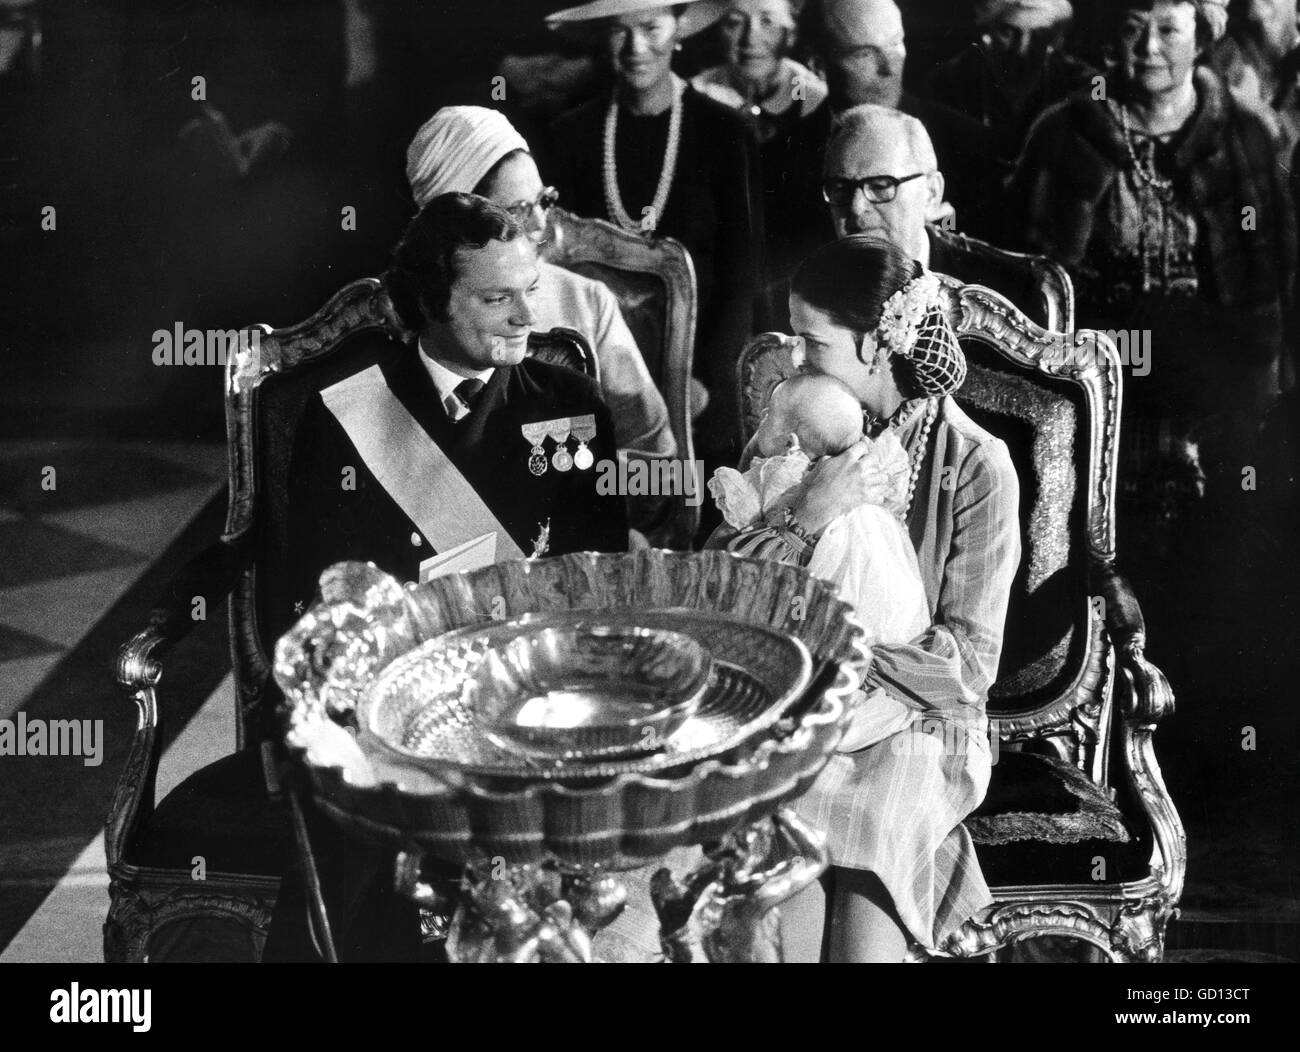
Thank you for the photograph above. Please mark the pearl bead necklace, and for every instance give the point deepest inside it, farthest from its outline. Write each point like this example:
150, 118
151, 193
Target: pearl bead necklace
613, 198
1147, 173
931, 411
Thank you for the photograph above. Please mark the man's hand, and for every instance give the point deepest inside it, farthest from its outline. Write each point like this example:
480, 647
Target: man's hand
837, 485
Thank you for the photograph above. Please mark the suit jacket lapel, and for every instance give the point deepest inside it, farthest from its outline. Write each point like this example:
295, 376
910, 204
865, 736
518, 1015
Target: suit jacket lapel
412, 384
469, 432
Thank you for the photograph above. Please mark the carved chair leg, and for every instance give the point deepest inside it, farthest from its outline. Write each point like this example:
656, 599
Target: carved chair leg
127, 926
318, 923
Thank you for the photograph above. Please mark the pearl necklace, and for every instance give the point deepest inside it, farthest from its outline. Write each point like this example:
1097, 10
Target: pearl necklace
931, 409
613, 198
1147, 173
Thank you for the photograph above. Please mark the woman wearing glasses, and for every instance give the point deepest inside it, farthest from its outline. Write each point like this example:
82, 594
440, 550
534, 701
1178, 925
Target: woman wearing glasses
657, 158
471, 149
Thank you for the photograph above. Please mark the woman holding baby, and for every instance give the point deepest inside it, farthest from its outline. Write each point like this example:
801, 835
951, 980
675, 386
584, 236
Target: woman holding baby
893, 799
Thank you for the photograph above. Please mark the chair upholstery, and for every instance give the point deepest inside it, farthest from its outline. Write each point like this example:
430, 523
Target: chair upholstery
224, 811
1075, 704
654, 283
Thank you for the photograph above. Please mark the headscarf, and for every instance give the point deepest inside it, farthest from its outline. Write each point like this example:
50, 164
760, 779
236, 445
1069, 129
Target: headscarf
456, 148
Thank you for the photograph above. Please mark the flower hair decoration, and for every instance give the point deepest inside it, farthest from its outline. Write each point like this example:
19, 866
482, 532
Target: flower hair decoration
904, 313
914, 326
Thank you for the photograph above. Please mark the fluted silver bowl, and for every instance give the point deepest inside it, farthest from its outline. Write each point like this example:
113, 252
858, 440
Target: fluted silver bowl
328, 663
579, 691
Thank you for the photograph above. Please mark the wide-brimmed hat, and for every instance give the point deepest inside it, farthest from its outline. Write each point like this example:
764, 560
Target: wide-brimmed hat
583, 22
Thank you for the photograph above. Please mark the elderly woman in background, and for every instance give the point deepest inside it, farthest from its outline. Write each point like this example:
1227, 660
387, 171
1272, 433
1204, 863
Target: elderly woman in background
1167, 204
656, 157
1015, 70
759, 78
471, 149
776, 95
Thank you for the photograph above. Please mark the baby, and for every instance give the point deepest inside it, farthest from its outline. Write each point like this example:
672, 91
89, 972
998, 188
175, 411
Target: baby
866, 553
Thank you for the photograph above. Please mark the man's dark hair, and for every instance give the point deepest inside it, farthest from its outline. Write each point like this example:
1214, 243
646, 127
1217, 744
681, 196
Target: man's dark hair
424, 265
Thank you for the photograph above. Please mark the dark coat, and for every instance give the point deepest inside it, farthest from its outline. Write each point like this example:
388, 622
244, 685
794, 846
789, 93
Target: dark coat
968, 83
334, 525
1225, 162
713, 208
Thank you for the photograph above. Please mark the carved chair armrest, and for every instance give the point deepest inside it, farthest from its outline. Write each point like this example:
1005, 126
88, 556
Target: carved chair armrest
1151, 699
138, 669
1147, 700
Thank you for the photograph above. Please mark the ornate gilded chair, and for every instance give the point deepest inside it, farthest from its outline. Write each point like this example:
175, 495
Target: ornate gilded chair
1039, 286
1077, 836
654, 282
223, 813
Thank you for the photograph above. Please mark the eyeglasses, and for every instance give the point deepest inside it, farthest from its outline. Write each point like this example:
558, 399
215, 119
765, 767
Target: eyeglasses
879, 189
522, 211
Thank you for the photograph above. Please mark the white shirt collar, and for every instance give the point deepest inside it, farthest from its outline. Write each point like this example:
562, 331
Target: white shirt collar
445, 380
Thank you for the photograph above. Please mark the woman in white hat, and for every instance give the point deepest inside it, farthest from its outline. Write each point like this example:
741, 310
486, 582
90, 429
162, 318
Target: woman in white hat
658, 158
472, 149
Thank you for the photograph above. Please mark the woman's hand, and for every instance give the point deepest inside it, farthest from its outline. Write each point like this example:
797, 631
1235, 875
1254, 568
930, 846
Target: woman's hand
837, 485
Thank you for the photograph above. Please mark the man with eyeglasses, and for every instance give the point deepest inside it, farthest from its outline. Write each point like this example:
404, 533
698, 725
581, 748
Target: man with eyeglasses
864, 48
881, 176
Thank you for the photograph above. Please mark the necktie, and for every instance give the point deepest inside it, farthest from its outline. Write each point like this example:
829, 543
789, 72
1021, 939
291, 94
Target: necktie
467, 391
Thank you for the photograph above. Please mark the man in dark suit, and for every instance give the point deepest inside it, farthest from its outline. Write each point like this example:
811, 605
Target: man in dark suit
459, 440
864, 48
458, 448
881, 176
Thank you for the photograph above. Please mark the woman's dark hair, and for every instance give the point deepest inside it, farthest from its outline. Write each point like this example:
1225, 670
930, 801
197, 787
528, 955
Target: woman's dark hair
424, 265
1113, 13
852, 278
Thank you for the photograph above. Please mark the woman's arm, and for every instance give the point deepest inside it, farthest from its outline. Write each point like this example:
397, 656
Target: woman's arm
950, 667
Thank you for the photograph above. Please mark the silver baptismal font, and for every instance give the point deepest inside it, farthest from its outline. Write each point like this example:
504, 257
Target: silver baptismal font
557, 727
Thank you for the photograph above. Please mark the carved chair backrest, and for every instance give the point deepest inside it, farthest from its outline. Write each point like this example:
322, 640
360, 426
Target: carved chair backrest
268, 387
654, 283
1037, 285
1055, 400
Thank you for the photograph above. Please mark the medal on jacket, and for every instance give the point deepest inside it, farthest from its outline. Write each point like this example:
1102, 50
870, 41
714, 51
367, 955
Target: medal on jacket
559, 431
534, 434
583, 429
